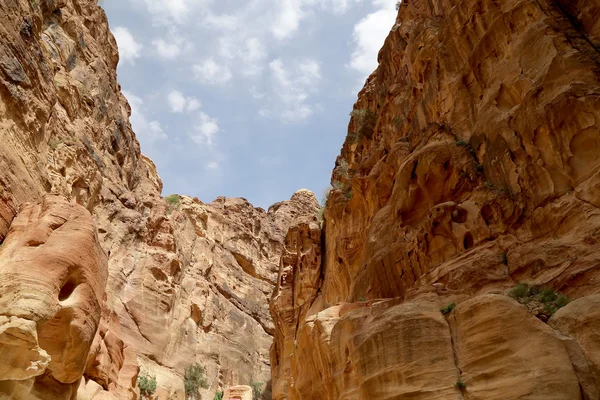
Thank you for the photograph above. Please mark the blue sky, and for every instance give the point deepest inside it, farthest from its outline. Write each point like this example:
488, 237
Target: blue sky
245, 98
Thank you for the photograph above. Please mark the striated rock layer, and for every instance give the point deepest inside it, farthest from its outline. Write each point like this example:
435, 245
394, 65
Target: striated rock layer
472, 163
188, 282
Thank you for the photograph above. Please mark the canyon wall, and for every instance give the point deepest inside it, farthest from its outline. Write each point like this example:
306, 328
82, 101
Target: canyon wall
472, 164
101, 278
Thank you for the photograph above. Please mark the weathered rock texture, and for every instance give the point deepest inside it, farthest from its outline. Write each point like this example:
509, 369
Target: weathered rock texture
187, 281
52, 280
472, 163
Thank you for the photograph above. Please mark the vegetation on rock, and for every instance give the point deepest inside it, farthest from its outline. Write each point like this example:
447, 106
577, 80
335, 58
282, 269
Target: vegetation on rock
194, 380
548, 297
147, 385
448, 309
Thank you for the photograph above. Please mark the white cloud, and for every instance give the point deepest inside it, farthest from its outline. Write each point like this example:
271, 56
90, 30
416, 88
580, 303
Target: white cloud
369, 35
168, 12
223, 21
148, 131
178, 103
212, 165
293, 87
210, 72
288, 19
205, 130
129, 48
192, 104
166, 50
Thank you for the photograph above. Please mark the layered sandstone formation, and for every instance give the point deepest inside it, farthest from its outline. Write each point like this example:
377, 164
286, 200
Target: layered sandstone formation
188, 282
52, 280
472, 163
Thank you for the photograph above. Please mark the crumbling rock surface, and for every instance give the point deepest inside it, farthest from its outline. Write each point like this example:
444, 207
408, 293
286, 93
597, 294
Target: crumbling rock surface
472, 163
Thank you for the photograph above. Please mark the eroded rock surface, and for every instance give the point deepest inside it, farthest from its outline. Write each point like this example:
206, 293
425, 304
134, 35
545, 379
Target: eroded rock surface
52, 281
471, 164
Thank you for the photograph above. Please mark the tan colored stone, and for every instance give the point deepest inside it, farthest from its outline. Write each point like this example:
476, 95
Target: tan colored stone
22, 357
52, 279
504, 352
238, 393
581, 320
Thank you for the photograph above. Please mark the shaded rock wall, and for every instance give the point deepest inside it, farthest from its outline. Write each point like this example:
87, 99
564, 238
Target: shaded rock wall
471, 164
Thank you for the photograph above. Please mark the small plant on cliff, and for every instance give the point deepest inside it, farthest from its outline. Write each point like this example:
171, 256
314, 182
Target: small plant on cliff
218, 396
345, 189
398, 3
462, 143
364, 121
460, 385
194, 380
53, 143
520, 291
448, 309
321, 212
147, 385
173, 200
551, 300
257, 389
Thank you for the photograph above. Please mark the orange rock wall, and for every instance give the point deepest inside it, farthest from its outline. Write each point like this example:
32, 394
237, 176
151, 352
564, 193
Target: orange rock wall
472, 163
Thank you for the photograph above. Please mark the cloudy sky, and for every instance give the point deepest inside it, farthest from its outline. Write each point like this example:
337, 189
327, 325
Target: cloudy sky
245, 98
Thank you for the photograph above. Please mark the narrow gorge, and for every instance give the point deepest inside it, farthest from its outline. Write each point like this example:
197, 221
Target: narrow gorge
457, 255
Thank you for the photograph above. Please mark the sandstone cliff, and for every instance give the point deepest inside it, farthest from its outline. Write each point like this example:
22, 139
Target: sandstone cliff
105, 279
472, 164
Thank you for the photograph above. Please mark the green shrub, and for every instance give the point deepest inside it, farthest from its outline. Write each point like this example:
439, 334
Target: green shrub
344, 169
354, 137
362, 299
257, 389
562, 301
218, 396
479, 168
364, 121
194, 380
345, 189
53, 143
462, 143
522, 290
505, 258
552, 300
173, 200
460, 385
146, 384
448, 309
547, 295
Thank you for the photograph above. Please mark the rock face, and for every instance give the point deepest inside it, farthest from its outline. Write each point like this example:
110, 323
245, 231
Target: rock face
472, 163
52, 280
188, 282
